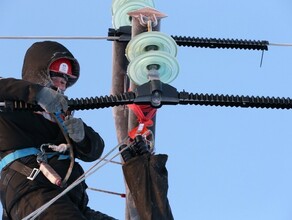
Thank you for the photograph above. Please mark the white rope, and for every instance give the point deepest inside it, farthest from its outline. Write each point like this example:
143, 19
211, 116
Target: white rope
89, 172
58, 37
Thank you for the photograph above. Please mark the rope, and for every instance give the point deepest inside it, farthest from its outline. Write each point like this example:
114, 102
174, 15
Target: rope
114, 162
64, 132
144, 114
89, 172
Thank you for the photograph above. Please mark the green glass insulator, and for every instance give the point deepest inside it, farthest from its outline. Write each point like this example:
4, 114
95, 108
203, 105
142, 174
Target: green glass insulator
150, 41
166, 66
120, 16
116, 4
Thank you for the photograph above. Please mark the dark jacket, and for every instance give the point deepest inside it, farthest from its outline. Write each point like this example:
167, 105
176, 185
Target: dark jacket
29, 129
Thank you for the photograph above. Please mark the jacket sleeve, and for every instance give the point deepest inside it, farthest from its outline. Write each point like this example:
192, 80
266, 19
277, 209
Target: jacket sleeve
16, 89
91, 147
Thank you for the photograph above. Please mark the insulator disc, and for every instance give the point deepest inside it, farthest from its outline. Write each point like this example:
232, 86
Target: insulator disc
120, 16
118, 3
149, 41
167, 71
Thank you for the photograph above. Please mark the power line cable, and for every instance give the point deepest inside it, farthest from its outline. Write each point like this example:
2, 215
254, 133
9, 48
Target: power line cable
180, 40
58, 37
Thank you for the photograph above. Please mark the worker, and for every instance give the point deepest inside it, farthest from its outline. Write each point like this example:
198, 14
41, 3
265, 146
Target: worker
38, 149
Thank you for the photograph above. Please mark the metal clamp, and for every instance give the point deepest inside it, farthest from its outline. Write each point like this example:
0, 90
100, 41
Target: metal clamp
41, 156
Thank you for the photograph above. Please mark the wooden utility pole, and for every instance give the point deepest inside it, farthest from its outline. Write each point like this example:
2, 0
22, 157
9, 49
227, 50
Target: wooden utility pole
125, 119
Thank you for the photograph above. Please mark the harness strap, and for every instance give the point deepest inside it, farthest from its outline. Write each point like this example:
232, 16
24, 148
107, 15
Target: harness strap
24, 170
16, 155
9, 158
144, 114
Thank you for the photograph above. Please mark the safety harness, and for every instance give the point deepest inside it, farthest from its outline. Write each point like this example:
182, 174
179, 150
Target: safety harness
11, 159
42, 156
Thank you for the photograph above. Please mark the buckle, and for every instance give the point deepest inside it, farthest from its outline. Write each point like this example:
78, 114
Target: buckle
33, 174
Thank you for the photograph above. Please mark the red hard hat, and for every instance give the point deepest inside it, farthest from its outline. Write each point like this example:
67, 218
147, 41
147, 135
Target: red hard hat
62, 65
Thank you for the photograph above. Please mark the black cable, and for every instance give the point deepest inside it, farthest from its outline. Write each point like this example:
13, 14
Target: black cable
124, 34
77, 103
101, 102
183, 98
234, 101
221, 43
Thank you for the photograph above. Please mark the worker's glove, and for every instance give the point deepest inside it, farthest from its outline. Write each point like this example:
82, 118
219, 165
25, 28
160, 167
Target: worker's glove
51, 100
75, 128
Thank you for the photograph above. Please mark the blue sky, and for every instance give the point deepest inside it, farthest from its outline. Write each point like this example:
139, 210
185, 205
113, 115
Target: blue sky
224, 163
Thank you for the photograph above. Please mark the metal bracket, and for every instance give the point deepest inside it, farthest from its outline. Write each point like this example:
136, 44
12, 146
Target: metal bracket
33, 174
147, 14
